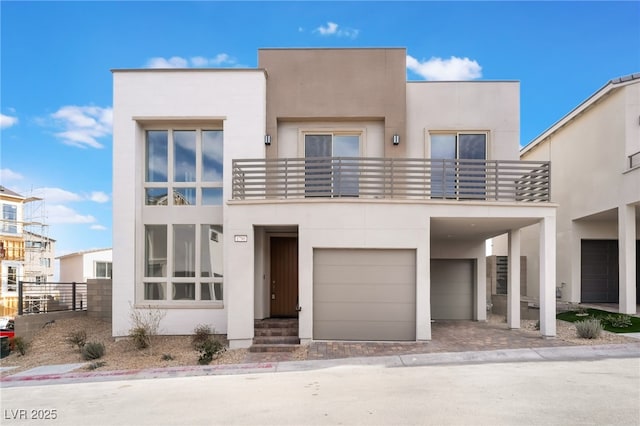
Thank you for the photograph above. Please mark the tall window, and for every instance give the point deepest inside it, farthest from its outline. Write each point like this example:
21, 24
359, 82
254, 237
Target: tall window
192, 271
12, 278
183, 167
328, 169
457, 168
9, 219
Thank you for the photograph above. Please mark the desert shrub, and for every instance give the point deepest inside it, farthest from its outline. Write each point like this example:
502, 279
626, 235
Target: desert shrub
21, 345
167, 357
617, 321
93, 350
77, 339
146, 325
141, 340
201, 333
589, 328
209, 349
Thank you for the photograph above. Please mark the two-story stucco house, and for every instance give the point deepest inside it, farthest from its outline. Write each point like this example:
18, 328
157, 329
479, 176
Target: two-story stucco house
320, 185
595, 150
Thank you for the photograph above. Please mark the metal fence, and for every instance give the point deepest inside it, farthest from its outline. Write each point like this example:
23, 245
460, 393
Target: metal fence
403, 178
35, 297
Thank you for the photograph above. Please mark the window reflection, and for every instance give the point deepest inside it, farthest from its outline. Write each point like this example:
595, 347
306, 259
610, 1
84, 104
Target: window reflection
184, 156
212, 155
156, 156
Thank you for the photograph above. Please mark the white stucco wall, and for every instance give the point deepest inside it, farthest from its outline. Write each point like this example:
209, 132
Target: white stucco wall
590, 180
486, 106
233, 98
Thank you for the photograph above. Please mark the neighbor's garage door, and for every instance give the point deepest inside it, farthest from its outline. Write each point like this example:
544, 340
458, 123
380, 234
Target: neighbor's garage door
452, 292
599, 271
363, 294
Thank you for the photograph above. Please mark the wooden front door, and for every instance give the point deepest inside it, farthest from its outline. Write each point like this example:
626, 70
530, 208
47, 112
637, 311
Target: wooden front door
284, 276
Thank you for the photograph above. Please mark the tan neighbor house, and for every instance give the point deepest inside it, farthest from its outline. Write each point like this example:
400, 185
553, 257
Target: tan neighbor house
323, 186
595, 152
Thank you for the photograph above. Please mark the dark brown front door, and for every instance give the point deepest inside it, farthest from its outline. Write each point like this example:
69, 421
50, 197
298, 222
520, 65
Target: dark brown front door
284, 276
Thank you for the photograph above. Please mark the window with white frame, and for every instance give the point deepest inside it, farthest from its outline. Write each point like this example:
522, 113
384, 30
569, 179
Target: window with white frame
183, 262
9, 219
328, 168
457, 164
102, 269
183, 167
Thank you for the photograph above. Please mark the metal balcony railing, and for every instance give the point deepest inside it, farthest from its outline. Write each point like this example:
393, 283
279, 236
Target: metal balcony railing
397, 178
634, 160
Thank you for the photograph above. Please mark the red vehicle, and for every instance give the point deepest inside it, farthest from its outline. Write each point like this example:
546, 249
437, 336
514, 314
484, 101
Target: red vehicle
7, 330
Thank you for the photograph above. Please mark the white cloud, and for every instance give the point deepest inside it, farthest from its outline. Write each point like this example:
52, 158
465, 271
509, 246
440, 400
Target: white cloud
333, 29
83, 125
99, 197
56, 195
8, 174
7, 121
98, 227
452, 69
62, 214
221, 59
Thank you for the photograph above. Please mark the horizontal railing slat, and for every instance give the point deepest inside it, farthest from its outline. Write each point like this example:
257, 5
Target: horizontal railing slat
391, 178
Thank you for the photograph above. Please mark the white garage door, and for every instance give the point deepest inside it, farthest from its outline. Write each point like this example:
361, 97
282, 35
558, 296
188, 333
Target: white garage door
364, 294
452, 292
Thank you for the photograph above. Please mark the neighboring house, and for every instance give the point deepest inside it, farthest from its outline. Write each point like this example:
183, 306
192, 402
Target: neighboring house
11, 248
84, 265
321, 185
595, 152
39, 257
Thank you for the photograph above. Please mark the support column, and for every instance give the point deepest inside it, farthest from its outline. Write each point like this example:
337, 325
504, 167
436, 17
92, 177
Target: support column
513, 281
627, 258
548, 276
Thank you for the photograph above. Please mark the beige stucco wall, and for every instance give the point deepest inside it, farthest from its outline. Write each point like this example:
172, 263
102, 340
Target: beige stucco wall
484, 106
233, 99
345, 84
589, 176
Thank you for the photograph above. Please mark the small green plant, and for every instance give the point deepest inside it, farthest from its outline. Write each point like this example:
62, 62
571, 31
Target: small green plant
589, 328
93, 350
77, 339
20, 345
201, 333
617, 321
536, 326
167, 357
209, 349
141, 340
95, 365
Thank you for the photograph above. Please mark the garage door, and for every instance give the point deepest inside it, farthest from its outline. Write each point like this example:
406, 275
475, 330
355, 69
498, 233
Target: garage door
452, 292
599, 271
364, 294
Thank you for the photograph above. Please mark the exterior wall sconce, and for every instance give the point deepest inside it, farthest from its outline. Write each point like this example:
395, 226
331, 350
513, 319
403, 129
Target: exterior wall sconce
396, 139
267, 139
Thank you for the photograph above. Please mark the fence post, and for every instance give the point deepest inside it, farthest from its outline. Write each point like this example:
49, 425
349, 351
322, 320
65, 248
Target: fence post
73, 296
20, 309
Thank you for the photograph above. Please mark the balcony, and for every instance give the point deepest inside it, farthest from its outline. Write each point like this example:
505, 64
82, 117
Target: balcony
391, 178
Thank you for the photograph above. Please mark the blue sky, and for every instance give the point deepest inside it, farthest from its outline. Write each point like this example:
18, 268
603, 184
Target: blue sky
56, 57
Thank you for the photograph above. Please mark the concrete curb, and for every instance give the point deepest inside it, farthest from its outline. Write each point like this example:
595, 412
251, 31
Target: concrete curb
563, 353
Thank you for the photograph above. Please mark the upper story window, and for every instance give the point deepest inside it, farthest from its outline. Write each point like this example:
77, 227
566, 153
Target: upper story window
103, 269
454, 176
183, 167
9, 219
327, 172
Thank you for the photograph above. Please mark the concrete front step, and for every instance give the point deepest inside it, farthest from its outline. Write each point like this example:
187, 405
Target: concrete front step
283, 347
275, 335
275, 332
276, 340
